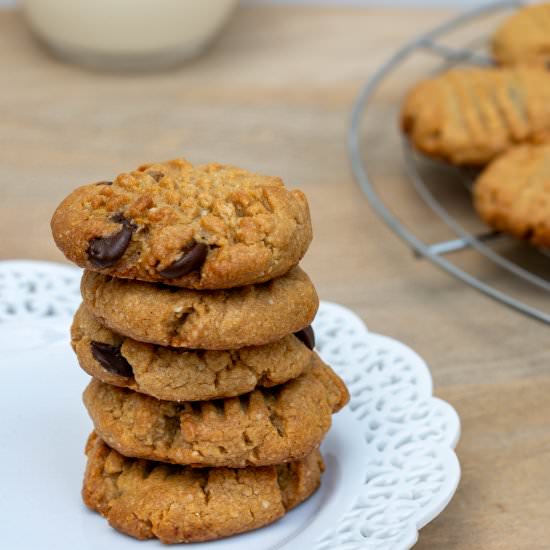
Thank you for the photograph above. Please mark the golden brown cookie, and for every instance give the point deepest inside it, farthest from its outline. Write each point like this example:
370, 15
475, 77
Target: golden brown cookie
216, 319
178, 374
513, 193
524, 38
468, 116
146, 499
259, 428
205, 227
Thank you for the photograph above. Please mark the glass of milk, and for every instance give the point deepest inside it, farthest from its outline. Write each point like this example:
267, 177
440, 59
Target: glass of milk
127, 34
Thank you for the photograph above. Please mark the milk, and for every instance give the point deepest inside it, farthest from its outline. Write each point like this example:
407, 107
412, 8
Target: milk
127, 33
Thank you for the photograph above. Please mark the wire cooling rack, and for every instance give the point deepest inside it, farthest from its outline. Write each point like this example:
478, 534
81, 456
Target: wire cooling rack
507, 270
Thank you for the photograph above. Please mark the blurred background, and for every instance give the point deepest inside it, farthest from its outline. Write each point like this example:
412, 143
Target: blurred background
343, 2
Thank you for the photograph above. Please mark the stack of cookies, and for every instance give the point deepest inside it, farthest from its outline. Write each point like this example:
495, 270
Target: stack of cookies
207, 399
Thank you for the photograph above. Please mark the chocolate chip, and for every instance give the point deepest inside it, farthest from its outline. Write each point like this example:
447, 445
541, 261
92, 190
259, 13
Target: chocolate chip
119, 218
106, 251
104, 183
191, 259
156, 175
110, 358
165, 287
307, 336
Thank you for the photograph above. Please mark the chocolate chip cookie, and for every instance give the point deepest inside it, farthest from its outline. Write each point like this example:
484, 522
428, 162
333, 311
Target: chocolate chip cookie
524, 38
177, 374
204, 227
513, 194
263, 427
146, 499
468, 116
215, 319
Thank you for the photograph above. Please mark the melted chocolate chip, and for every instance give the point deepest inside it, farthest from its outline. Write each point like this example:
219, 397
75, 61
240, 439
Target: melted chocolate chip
164, 286
157, 175
106, 251
307, 336
110, 358
191, 259
104, 183
119, 218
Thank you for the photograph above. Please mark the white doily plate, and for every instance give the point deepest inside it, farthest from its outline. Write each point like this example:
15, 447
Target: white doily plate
391, 467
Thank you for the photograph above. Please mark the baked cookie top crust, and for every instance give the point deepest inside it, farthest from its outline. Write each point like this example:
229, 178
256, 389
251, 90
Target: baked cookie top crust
205, 227
265, 426
513, 194
175, 504
468, 116
178, 374
524, 38
252, 315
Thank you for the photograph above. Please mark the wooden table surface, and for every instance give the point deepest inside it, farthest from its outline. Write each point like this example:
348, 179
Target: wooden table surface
274, 95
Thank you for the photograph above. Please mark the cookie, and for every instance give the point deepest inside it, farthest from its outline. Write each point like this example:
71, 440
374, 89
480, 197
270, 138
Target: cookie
263, 427
177, 374
524, 38
205, 227
146, 499
215, 319
513, 194
468, 116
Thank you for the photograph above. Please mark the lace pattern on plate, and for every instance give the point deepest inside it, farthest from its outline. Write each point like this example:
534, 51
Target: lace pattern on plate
410, 471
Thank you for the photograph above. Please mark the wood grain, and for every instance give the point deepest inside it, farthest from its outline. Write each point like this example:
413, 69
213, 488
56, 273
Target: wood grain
274, 95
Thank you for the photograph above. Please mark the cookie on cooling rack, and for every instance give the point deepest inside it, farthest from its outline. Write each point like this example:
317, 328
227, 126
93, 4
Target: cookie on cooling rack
524, 38
257, 429
513, 193
204, 227
468, 116
147, 500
